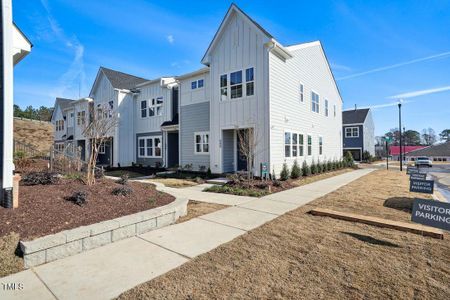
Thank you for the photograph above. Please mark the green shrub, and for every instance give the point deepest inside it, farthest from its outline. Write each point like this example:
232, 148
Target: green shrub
19, 154
227, 189
313, 167
329, 165
122, 191
123, 179
306, 170
284, 175
319, 167
208, 173
43, 178
348, 160
79, 198
296, 172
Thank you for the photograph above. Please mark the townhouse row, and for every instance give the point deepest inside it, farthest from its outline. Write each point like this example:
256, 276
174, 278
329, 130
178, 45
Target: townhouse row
286, 94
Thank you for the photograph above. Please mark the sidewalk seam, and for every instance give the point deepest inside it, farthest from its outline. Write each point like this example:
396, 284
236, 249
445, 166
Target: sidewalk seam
153, 243
43, 282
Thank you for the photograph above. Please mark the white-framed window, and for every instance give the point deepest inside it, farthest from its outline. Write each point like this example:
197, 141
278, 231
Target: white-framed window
320, 145
309, 145
315, 102
193, 85
59, 147
143, 108
149, 147
300, 145
250, 82
201, 140
156, 107
59, 124
102, 148
236, 84
197, 84
81, 117
334, 109
287, 144
110, 108
223, 87
351, 132
326, 107
301, 90
293, 144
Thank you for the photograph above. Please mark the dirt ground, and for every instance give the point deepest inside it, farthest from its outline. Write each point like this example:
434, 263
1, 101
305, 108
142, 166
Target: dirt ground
174, 182
36, 133
197, 208
300, 256
9, 262
45, 209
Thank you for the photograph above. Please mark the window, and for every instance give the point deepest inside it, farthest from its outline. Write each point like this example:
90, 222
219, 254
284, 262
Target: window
101, 148
314, 102
81, 117
197, 84
200, 83
155, 108
59, 147
193, 85
294, 144
143, 108
301, 92
326, 108
59, 125
201, 142
300, 144
149, 147
250, 82
110, 109
223, 87
236, 84
334, 109
287, 144
309, 145
320, 145
351, 132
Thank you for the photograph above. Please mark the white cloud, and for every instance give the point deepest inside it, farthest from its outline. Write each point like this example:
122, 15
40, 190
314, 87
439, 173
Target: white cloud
421, 92
338, 67
74, 78
385, 68
170, 39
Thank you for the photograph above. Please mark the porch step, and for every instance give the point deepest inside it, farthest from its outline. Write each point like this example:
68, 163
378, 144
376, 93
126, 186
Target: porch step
219, 181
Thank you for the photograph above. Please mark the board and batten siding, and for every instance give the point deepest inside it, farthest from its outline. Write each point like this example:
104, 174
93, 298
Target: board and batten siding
194, 118
240, 46
369, 134
309, 67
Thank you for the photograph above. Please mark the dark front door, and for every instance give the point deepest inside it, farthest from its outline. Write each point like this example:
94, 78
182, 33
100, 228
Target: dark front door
356, 154
82, 146
172, 149
241, 160
104, 157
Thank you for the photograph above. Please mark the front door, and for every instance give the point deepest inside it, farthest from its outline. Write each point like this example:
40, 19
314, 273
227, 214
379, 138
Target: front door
172, 149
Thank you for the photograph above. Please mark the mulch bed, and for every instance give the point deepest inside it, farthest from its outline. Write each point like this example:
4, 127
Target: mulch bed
44, 209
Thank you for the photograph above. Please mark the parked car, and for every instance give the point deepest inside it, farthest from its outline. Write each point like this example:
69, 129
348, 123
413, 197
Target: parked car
424, 161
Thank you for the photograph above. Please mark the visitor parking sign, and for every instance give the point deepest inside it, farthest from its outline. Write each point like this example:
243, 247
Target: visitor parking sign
431, 213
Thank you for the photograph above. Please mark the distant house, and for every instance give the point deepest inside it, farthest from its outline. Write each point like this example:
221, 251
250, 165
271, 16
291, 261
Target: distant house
359, 132
440, 152
14, 46
394, 151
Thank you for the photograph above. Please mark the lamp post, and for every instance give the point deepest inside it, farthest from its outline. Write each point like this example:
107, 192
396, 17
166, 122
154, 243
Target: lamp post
400, 132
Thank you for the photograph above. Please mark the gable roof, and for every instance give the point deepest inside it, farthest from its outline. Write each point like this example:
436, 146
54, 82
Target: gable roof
234, 8
63, 103
120, 80
434, 150
354, 116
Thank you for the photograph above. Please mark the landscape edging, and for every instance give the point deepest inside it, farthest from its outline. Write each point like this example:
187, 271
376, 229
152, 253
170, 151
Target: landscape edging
73, 241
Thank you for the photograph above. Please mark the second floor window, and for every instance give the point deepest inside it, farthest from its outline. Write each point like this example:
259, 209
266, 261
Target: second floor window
143, 109
351, 132
197, 84
81, 117
156, 107
334, 109
236, 84
314, 102
326, 108
223, 87
250, 82
302, 95
59, 125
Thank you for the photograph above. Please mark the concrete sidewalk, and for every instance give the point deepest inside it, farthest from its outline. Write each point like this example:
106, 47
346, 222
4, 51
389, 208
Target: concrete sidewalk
106, 272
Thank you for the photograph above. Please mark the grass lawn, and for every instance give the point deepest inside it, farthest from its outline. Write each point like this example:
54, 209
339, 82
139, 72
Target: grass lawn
118, 173
300, 256
174, 182
197, 208
263, 190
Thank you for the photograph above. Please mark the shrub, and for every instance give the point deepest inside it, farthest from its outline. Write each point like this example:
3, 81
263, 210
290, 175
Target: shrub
262, 185
19, 154
122, 191
99, 173
79, 198
43, 178
277, 183
313, 167
296, 172
306, 171
284, 175
274, 176
319, 167
348, 160
123, 179
208, 173
329, 165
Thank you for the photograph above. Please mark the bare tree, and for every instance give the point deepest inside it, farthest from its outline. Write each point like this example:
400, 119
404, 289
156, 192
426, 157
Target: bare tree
99, 128
248, 145
429, 136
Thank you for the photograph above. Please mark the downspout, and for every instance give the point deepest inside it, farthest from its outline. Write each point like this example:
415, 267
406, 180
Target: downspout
270, 46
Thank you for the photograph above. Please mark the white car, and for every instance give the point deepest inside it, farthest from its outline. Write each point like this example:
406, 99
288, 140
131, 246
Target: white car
423, 161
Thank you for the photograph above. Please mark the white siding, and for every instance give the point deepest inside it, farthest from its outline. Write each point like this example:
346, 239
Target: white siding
79, 107
240, 46
58, 116
189, 96
287, 113
369, 134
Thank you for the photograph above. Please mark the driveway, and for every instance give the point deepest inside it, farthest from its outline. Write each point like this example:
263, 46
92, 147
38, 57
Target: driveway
441, 175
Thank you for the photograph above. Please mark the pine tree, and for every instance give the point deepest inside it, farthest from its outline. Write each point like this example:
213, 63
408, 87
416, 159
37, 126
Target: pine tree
284, 175
296, 172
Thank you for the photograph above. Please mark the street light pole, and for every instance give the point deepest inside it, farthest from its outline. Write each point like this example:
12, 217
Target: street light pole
400, 132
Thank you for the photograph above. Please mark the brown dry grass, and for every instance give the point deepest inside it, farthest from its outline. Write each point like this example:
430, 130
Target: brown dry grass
196, 209
313, 178
9, 261
300, 256
174, 182
39, 134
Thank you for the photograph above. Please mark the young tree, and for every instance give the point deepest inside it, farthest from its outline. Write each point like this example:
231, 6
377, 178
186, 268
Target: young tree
99, 127
445, 135
429, 136
296, 172
248, 146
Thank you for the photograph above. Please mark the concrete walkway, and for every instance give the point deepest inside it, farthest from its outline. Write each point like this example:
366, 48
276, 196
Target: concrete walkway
106, 272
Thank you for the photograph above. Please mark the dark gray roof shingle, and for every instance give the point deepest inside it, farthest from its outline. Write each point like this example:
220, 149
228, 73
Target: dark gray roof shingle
354, 116
434, 150
120, 80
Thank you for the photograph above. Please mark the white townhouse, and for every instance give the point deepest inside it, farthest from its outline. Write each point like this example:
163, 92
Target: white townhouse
14, 46
286, 94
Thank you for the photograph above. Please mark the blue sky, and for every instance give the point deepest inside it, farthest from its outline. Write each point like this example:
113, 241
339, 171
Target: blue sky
378, 50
